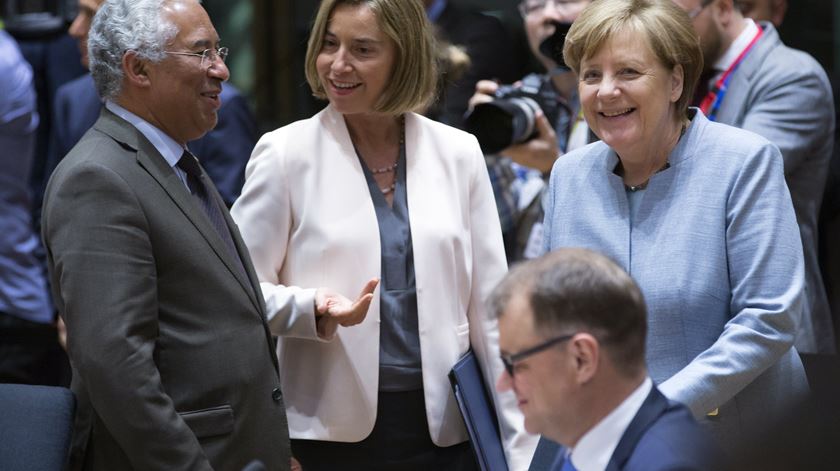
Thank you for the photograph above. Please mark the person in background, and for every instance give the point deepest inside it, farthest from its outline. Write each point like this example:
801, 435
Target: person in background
697, 212
223, 152
27, 332
173, 361
764, 10
572, 327
489, 47
519, 173
369, 188
753, 81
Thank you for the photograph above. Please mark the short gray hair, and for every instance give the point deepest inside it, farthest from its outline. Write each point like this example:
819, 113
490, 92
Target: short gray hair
126, 25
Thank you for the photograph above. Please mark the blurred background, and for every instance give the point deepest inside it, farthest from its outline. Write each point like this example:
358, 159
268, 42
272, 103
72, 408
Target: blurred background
267, 39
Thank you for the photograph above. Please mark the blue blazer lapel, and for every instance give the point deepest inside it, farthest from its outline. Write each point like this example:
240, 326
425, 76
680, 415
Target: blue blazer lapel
150, 159
654, 406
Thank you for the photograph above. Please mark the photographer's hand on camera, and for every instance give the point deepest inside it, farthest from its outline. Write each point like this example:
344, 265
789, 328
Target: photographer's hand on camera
485, 91
539, 152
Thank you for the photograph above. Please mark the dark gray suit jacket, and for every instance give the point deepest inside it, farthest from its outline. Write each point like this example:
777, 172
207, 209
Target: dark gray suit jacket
173, 363
784, 95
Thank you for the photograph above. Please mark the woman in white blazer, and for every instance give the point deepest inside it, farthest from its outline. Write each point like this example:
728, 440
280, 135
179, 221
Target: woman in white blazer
363, 189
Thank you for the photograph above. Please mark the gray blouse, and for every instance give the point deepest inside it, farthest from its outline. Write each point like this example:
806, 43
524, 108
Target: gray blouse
399, 340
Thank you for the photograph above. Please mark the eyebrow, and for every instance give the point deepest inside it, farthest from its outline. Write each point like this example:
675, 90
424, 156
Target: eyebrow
357, 41
205, 43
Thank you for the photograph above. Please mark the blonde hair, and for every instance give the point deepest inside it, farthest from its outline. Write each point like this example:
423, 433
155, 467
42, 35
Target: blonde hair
413, 81
666, 27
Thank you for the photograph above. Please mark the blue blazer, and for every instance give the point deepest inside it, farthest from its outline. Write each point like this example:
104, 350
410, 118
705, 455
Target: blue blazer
715, 248
662, 436
223, 152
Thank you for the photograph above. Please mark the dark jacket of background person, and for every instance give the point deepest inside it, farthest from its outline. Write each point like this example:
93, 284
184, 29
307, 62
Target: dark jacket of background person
26, 313
492, 55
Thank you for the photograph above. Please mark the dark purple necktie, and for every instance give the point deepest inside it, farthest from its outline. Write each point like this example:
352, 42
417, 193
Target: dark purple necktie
198, 184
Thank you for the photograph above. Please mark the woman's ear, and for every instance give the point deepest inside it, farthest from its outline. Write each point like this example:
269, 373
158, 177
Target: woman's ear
677, 82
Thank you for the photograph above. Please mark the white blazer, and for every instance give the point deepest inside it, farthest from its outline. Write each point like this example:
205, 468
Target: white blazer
307, 217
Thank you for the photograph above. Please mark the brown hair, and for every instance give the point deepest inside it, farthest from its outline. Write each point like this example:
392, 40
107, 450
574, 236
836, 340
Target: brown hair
413, 81
577, 289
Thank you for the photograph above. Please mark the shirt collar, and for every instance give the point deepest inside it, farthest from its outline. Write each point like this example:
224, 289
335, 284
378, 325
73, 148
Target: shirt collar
595, 448
737, 46
168, 148
435, 10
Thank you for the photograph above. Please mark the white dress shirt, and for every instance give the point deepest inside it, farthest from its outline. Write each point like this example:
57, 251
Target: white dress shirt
168, 148
595, 448
738, 45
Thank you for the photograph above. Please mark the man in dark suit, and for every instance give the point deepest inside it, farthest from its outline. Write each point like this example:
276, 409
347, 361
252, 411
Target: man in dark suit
173, 362
572, 327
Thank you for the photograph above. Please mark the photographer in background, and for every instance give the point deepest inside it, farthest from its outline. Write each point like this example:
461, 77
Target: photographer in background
519, 169
483, 41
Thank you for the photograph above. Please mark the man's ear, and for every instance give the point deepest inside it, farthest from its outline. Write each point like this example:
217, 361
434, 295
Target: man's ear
586, 351
136, 70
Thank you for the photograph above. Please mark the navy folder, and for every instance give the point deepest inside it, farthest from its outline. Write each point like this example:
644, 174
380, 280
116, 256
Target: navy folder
476, 404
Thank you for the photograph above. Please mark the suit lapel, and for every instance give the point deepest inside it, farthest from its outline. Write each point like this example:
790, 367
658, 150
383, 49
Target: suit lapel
150, 159
653, 407
734, 102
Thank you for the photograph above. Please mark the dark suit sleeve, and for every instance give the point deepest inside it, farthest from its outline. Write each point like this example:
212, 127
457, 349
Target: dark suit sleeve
225, 150
103, 264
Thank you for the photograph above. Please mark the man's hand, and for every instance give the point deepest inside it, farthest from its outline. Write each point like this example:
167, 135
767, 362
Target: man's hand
332, 309
485, 91
539, 152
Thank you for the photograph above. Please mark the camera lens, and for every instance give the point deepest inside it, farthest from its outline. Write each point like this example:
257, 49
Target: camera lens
503, 122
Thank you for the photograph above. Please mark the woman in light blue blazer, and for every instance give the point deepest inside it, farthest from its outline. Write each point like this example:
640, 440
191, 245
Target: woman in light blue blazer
697, 212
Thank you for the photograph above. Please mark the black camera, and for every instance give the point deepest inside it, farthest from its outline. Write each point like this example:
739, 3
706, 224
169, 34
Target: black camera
511, 117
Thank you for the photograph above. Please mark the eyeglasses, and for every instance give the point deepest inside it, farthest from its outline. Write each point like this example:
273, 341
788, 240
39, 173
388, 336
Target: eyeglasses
699, 8
208, 56
511, 360
529, 7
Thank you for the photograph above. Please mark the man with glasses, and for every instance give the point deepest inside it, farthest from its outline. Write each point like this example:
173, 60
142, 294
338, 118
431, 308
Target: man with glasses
173, 361
572, 327
519, 172
223, 151
754, 82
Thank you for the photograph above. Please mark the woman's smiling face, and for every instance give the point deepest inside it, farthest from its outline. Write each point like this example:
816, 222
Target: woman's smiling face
356, 60
627, 94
